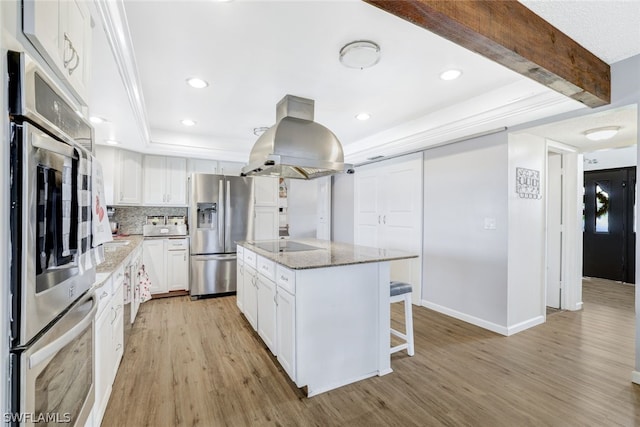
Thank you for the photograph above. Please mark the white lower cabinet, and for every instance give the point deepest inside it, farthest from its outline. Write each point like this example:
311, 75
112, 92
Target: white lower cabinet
267, 312
109, 342
167, 264
269, 304
251, 295
286, 331
240, 278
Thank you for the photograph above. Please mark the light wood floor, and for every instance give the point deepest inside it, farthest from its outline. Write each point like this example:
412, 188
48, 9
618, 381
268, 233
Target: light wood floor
199, 363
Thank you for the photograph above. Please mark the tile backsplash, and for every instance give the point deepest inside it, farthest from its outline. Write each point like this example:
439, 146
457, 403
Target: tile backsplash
130, 219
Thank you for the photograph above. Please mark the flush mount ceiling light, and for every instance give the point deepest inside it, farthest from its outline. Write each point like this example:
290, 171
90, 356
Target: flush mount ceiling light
197, 83
188, 122
112, 142
360, 54
97, 120
600, 134
450, 74
363, 116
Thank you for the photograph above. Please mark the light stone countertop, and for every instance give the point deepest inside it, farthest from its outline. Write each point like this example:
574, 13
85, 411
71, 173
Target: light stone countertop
116, 255
327, 254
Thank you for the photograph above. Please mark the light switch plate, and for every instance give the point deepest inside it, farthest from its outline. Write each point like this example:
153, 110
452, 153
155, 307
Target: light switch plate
489, 223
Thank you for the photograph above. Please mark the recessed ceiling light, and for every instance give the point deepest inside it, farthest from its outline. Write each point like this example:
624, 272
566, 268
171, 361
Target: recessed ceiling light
112, 142
600, 134
197, 83
97, 120
360, 54
188, 122
363, 116
450, 74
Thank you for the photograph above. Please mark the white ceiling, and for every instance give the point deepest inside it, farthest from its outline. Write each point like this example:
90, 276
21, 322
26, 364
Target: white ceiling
253, 53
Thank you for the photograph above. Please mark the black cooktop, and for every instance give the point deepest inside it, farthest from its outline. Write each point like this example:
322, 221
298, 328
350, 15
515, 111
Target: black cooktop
284, 246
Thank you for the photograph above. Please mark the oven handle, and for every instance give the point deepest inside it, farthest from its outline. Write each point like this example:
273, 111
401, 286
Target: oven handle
51, 144
50, 349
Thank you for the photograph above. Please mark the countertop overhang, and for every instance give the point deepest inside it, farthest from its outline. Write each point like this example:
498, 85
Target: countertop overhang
327, 254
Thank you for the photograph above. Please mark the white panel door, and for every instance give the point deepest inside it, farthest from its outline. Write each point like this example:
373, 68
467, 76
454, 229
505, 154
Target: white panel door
368, 214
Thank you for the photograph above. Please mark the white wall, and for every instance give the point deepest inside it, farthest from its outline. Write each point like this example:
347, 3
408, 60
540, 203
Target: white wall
342, 205
609, 159
464, 263
526, 236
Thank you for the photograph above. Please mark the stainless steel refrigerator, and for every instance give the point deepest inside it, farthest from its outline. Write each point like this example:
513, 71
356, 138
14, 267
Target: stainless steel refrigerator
220, 214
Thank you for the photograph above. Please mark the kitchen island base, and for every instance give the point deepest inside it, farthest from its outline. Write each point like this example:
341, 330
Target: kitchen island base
324, 313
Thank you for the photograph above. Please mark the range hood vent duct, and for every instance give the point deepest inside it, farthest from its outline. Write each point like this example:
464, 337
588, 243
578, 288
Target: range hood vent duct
296, 146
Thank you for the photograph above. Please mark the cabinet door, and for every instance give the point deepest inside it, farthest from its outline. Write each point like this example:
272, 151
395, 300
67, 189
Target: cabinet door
266, 221
107, 158
117, 330
76, 38
202, 166
230, 168
104, 360
177, 270
240, 284
267, 312
251, 296
129, 178
266, 190
286, 332
41, 25
153, 257
176, 181
154, 180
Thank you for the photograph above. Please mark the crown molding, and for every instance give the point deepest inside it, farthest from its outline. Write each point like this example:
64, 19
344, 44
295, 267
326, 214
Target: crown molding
116, 27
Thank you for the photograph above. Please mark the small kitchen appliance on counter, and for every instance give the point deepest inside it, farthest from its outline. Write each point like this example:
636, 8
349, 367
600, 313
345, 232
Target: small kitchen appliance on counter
160, 226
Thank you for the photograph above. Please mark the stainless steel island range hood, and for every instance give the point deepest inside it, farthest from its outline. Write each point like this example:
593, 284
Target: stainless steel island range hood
296, 146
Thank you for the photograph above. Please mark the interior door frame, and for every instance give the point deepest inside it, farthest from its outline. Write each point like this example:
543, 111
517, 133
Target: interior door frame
571, 246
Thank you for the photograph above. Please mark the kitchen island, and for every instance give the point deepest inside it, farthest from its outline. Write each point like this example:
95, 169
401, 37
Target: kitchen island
321, 307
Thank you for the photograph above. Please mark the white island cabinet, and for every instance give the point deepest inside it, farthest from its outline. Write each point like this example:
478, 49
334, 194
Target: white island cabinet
321, 307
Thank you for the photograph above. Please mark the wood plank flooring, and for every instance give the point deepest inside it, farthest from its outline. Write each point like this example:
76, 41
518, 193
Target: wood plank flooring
199, 363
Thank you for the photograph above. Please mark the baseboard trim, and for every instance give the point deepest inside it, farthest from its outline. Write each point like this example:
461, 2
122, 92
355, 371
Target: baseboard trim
525, 325
635, 377
467, 318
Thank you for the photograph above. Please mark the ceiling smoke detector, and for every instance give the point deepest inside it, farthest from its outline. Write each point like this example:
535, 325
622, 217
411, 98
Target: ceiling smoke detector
360, 54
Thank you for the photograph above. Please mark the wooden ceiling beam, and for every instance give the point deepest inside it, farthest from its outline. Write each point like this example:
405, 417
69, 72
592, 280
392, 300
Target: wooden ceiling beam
510, 34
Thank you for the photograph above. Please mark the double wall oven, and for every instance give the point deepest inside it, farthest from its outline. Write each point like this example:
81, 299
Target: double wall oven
52, 318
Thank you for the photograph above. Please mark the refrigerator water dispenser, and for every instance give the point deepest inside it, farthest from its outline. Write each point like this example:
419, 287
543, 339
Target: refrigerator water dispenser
207, 215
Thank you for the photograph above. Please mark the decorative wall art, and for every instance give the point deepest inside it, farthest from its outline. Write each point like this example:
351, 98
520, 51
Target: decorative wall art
528, 183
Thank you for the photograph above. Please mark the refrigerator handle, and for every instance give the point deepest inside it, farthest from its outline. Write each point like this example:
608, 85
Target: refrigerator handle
221, 214
227, 213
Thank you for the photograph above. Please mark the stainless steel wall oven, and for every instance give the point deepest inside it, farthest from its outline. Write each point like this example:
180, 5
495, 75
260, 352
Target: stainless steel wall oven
52, 314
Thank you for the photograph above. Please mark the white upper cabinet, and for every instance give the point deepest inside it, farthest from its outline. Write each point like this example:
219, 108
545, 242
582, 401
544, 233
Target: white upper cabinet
165, 181
230, 168
107, 158
128, 178
202, 166
61, 32
266, 191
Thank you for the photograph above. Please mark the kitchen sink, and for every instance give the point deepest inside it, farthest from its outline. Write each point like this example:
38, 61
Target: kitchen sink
115, 244
118, 243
